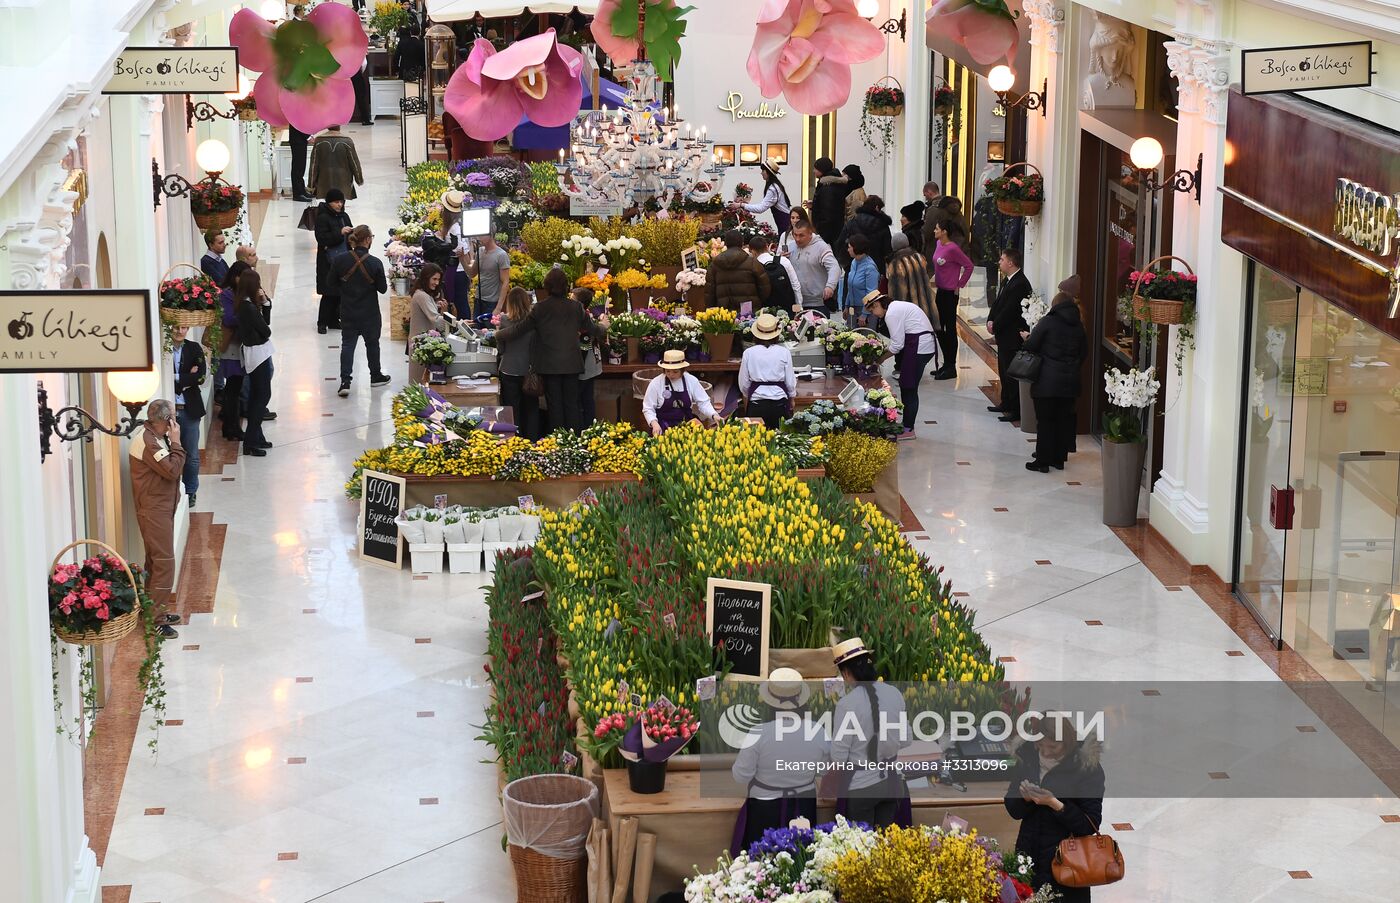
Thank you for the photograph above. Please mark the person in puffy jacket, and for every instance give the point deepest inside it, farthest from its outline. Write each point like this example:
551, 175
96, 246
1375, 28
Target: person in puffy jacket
855, 189
1060, 341
872, 222
332, 226
828, 200
735, 277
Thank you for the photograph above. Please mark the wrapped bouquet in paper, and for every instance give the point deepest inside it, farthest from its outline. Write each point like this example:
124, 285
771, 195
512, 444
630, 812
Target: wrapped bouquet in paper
491, 528
473, 527
454, 527
660, 731
411, 525
509, 521
432, 526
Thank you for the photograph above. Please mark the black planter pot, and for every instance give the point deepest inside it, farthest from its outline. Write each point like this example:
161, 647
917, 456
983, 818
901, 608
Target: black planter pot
646, 777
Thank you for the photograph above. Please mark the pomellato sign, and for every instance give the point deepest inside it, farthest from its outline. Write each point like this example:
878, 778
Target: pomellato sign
1315, 67
734, 106
75, 331
174, 70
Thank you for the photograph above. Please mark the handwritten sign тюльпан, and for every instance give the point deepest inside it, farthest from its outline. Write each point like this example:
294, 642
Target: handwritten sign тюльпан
381, 502
736, 619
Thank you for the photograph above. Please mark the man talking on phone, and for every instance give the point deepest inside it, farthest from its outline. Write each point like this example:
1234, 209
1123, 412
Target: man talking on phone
157, 463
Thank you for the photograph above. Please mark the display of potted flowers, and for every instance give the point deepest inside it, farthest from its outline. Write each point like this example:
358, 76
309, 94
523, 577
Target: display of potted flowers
1129, 393
215, 204
718, 325
1018, 195
683, 334
691, 284
405, 260
867, 352
432, 351
633, 326
638, 285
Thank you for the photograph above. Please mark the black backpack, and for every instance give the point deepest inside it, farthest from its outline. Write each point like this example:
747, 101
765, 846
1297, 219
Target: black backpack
781, 296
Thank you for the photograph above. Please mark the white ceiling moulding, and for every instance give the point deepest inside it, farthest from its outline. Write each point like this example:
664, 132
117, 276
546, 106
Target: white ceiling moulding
458, 10
1379, 19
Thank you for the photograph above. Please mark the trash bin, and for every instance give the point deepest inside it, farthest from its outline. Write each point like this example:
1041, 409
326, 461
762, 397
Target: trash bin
547, 821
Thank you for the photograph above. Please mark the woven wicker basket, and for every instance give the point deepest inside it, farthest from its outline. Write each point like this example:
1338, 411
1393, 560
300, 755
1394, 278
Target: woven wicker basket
891, 109
177, 317
556, 811
1020, 208
115, 629
248, 114
222, 220
1161, 311
544, 879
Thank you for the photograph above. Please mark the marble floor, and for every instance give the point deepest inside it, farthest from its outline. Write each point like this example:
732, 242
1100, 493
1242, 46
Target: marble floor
328, 711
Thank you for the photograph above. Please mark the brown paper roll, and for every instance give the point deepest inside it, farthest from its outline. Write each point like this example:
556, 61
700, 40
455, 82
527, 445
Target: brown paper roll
641, 878
622, 865
595, 865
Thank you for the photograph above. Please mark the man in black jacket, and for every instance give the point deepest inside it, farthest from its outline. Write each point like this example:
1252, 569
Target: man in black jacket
360, 276
828, 200
190, 370
1006, 322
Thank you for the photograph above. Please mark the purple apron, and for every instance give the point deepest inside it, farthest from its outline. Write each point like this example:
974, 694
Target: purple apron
675, 409
897, 789
909, 374
788, 809
775, 383
783, 221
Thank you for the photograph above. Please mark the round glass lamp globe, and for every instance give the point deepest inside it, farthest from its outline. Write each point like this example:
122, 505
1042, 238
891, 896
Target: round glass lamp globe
273, 9
242, 90
867, 9
1001, 78
212, 155
133, 386
1146, 153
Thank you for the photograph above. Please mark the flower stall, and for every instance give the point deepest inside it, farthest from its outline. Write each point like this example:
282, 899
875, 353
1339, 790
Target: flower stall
622, 610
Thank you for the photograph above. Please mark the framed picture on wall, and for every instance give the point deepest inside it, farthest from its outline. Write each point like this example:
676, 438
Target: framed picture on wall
777, 154
996, 151
724, 154
750, 154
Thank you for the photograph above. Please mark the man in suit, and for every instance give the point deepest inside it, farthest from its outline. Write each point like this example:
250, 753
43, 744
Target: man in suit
190, 370
212, 264
1006, 323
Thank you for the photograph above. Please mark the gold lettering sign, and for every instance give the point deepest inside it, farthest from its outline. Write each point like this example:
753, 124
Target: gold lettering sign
733, 105
1371, 221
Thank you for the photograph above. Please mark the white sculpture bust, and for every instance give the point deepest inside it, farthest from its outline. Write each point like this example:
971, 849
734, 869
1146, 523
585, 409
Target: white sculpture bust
1111, 53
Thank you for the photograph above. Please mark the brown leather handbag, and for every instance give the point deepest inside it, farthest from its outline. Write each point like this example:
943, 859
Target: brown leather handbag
1088, 861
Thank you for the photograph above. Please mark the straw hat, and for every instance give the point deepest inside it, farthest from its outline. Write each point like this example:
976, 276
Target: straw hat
785, 690
876, 295
846, 650
766, 327
674, 360
452, 200
769, 167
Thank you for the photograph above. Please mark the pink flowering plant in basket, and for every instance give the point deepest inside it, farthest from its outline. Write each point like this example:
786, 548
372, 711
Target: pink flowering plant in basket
84, 597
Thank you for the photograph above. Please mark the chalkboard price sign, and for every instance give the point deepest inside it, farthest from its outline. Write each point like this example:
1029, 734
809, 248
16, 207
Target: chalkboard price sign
381, 502
736, 618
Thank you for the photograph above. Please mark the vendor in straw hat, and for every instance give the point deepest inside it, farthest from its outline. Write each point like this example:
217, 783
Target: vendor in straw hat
675, 396
874, 795
766, 378
775, 198
780, 762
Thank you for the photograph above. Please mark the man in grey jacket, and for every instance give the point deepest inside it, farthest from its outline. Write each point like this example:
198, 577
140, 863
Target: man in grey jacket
816, 266
360, 276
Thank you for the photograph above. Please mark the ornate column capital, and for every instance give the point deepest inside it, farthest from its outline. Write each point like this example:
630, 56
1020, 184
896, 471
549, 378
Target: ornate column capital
1047, 20
1210, 67
1179, 62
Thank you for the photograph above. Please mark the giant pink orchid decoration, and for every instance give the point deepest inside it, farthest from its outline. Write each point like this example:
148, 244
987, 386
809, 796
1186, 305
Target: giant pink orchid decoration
306, 65
804, 50
986, 28
537, 78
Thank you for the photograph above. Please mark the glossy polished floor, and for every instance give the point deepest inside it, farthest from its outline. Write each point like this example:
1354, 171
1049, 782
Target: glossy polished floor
329, 710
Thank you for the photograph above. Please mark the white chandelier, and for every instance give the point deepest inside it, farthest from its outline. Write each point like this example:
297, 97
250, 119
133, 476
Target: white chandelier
632, 156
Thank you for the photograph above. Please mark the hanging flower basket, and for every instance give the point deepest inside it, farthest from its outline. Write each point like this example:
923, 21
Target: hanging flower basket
189, 300
215, 204
89, 604
1161, 294
883, 99
247, 108
1018, 195
944, 100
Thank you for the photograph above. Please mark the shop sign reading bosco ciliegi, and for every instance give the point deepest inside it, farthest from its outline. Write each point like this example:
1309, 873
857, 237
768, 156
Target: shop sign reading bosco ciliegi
89, 331
1370, 220
174, 70
1314, 67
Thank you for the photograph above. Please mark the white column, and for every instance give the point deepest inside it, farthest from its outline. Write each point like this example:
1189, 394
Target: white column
1051, 144
909, 175
1192, 500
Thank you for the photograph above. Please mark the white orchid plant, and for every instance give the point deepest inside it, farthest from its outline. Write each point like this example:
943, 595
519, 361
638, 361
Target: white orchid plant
1129, 392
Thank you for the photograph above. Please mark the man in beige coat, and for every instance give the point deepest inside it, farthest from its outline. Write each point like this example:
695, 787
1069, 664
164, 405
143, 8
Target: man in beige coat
157, 461
334, 164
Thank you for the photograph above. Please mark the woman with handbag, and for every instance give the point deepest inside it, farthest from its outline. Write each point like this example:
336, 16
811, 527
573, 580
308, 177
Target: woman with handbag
1060, 342
231, 358
513, 365
1056, 793
253, 334
332, 226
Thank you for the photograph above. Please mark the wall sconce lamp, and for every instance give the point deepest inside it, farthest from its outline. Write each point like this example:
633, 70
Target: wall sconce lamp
212, 157
1001, 78
133, 388
869, 9
1146, 154
207, 112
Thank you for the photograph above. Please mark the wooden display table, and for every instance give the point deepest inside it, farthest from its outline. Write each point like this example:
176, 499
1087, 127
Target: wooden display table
474, 396
692, 829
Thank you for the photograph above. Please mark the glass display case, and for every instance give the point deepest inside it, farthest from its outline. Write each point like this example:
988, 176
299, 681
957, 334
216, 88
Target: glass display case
440, 44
